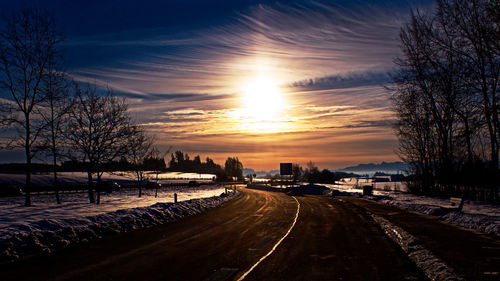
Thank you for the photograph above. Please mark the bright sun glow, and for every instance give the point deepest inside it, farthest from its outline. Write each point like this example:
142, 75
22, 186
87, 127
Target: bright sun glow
264, 107
263, 99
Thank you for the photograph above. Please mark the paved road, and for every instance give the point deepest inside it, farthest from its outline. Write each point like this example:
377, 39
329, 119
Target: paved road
331, 240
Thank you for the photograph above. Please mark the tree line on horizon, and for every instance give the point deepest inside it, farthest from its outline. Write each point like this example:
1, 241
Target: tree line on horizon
445, 95
181, 162
50, 116
310, 174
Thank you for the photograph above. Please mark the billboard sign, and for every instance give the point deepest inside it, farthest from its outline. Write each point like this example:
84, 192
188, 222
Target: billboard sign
286, 169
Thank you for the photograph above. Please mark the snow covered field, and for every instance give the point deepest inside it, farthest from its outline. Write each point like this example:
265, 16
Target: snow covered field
80, 178
46, 226
353, 183
12, 210
179, 175
480, 216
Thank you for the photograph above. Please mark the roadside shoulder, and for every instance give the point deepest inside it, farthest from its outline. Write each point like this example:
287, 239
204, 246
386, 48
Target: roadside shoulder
472, 254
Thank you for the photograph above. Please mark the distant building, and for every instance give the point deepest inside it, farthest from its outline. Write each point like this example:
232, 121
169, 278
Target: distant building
381, 179
398, 177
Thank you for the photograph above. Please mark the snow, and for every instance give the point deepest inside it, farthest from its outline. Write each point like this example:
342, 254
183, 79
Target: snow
73, 205
46, 226
432, 266
356, 183
80, 178
180, 175
480, 216
475, 215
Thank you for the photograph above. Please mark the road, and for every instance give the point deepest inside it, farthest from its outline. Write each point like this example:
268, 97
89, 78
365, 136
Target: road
330, 240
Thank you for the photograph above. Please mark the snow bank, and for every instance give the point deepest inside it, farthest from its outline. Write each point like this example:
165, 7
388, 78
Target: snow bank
474, 215
433, 267
484, 223
48, 235
74, 205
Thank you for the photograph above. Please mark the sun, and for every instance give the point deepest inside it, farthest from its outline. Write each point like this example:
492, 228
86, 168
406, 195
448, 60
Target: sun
264, 109
263, 99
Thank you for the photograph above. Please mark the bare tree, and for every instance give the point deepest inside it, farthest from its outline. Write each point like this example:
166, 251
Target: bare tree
416, 134
7, 116
446, 93
139, 148
156, 163
476, 28
55, 114
28, 43
233, 168
98, 132
297, 173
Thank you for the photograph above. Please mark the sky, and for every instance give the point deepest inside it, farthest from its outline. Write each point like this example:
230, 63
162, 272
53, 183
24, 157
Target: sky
266, 81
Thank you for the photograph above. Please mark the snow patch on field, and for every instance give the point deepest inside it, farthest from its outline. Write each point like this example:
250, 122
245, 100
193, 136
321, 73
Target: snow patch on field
433, 267
19, 240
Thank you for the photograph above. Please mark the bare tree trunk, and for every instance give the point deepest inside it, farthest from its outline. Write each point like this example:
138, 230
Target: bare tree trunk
470, 155
156, 185
98, 188
90, 187
56, 181
54, 163
139, 182
27, 192
491, 130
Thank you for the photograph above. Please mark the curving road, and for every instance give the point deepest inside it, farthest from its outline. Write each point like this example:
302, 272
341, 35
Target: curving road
331, 240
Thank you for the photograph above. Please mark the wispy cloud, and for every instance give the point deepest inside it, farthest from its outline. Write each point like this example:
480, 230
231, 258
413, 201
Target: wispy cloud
184, 79
346, 80
331, 58
293, 41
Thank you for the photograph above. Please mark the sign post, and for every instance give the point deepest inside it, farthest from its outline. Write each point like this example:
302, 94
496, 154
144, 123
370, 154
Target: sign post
285, 170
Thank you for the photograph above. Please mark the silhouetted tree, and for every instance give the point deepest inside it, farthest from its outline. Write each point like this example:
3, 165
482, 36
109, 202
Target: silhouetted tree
28, 43
98, 132
156, 163
197, 161
139, 146
54, 112
234, 168
7, 117
446, 88
210, 167
297, 172
476, 31
311, 172
181, 162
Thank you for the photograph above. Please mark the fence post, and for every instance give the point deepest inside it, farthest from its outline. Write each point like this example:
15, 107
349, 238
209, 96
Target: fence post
175, 197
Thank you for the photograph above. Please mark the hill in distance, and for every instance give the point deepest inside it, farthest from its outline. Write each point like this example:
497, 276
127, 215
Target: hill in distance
361, 169
371, 168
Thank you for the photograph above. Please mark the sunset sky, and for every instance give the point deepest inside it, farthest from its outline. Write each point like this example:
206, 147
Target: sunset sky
267, 81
